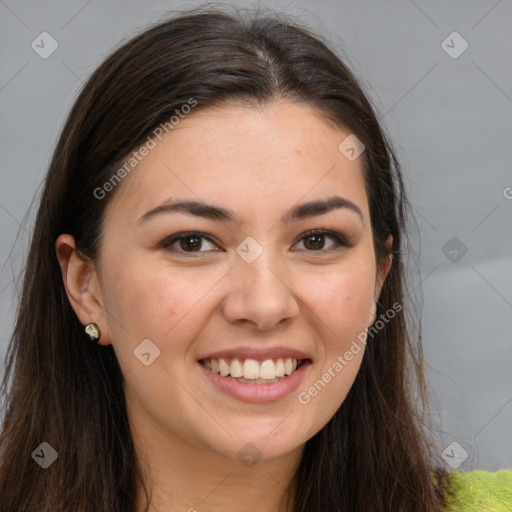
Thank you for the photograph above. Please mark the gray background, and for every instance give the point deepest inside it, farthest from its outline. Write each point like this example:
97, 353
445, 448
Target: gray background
450, 120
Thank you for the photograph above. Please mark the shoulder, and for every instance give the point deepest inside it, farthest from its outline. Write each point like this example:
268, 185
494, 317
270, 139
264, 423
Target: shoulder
480, 491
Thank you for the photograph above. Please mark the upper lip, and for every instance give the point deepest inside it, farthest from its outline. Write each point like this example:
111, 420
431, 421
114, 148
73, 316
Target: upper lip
257, 353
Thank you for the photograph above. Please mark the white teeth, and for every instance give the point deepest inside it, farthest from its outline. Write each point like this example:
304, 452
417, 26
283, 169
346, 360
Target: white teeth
279, 368
224, 367
267, 370
257, 381
252, 371
236, 369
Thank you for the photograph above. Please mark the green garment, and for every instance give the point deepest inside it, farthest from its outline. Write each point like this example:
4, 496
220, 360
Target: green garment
481, 491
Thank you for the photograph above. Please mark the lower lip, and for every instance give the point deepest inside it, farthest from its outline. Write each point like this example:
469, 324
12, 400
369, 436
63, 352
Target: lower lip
257, 393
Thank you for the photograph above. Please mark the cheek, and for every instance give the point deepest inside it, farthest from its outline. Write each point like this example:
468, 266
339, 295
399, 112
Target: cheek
155, 302
143, 302
342, 305
342, 302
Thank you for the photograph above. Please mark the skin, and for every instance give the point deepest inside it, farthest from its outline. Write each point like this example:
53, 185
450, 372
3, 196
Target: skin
259, 163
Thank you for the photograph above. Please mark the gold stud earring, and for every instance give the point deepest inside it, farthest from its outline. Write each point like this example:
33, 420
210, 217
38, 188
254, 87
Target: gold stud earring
93, 331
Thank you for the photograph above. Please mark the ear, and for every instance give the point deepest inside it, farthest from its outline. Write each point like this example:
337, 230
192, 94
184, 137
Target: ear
382, 272
82, 286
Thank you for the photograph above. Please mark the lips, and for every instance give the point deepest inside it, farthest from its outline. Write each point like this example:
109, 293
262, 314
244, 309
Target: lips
255, 374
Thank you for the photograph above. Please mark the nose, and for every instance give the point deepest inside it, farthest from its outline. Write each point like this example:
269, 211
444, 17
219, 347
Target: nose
259, 294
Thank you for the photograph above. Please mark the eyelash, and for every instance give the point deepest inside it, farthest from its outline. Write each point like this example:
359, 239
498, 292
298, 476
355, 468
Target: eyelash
340, 240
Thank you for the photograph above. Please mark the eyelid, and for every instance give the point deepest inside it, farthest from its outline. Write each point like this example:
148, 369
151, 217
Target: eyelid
341, 241
169, 241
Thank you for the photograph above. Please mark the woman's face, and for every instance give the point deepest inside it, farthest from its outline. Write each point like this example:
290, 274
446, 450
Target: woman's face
250, 284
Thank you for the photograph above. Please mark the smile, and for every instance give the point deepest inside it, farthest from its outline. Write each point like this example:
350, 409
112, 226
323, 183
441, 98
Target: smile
251, 371
252, 380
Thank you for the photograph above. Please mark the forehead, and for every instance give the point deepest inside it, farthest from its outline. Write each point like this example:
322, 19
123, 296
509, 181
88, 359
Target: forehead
244, 159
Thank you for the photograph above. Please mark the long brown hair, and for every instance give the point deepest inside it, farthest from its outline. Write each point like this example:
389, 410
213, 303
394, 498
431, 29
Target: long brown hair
61, 389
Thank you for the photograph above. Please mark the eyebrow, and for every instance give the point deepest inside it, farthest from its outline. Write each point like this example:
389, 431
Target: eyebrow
207, 211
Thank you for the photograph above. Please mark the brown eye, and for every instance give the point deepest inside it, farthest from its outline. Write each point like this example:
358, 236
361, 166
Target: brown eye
186, 243
190, 242
314, 241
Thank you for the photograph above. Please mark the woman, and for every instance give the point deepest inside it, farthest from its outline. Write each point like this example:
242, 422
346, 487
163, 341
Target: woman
213, 312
